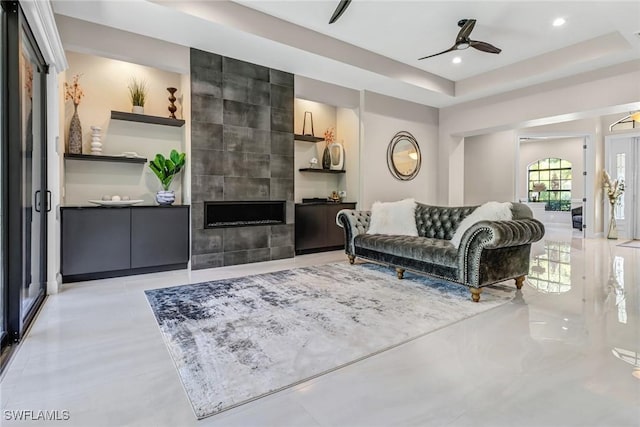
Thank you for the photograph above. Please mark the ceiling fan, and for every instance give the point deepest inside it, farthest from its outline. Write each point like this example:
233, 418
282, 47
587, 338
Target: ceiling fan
464, 42
342, 6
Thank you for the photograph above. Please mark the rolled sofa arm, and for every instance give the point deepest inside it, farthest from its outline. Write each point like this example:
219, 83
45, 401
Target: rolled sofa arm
497, 235
502, 234
354, 223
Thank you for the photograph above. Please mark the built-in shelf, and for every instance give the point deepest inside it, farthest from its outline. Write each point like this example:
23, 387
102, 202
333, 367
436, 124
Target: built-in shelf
321, 170
308, 138
102, 158
144, 118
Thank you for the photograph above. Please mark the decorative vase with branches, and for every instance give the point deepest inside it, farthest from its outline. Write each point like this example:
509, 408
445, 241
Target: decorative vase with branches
329, 138
614, 190
73, 92
138, 94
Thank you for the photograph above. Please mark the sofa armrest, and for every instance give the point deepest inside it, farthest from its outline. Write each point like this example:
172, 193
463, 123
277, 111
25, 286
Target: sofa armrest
501, 234
354, 223
494, 235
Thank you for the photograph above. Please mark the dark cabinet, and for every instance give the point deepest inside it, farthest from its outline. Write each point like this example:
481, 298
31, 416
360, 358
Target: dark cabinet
316, 228
100, 242
159, 237
95, 240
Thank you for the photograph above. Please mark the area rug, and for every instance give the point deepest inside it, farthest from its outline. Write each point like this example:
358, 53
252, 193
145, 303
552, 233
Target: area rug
239, 339
631, 244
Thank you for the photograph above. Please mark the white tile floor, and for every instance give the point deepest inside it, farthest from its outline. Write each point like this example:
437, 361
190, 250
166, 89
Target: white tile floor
545, 359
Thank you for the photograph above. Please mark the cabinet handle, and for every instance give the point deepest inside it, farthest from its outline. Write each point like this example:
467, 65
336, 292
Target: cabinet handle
48, 201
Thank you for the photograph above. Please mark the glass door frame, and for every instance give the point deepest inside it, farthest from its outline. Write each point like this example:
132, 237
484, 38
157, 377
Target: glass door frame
4, 334
17, 27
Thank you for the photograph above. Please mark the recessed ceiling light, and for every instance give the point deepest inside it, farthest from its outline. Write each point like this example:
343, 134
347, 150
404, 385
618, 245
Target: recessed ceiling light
559, 22
456, 60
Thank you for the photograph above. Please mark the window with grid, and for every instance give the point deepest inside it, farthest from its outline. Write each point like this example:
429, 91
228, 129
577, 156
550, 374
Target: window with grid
549, 181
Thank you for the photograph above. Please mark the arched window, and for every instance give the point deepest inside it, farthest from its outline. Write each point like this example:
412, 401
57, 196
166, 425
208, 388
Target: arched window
550, 182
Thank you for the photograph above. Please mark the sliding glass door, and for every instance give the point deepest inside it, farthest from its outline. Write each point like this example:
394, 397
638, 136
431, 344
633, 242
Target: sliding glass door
25, 197
3, 270
32, 180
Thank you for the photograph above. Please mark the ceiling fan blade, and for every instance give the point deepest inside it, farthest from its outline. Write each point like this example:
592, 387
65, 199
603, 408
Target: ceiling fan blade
440, 53
465, 31
485, 47
342, 6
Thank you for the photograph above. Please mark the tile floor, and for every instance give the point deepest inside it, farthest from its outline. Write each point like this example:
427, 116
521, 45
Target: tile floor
546, 359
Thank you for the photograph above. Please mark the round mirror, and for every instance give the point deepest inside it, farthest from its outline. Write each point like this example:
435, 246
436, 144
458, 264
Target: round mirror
403, 156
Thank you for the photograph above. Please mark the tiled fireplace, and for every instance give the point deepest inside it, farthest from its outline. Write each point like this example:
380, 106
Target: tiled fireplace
241, 157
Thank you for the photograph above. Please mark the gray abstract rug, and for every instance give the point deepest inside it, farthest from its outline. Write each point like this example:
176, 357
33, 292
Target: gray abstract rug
235, 340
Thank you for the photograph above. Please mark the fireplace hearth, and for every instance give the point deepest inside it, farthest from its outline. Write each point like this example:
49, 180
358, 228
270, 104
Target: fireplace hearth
244, 213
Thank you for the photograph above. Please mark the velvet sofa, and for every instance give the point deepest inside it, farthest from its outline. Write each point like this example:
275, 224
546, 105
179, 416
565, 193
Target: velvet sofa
489, 252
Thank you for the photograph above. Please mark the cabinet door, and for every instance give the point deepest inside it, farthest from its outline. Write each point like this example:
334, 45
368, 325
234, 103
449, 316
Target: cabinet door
311, 227
335, 233
159, 236
95, 240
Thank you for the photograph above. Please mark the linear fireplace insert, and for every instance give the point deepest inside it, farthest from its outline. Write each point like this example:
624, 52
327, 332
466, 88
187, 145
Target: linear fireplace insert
243, 214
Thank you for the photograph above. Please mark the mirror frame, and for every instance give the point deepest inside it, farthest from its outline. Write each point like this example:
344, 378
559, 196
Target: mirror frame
397, 138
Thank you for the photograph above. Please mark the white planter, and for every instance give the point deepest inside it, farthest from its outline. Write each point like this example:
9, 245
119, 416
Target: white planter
137, 109
165, 198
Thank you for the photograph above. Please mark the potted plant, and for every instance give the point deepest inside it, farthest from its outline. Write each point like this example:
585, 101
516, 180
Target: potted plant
138, 95
166, 169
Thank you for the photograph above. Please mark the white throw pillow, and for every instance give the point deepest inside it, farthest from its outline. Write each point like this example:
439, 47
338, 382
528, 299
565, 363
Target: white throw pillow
490, 211
397, 218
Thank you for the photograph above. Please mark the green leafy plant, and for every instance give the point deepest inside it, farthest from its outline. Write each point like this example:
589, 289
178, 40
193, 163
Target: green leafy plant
137, 92
167, 168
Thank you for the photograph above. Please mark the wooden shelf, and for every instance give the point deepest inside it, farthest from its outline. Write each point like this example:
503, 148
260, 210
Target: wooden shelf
144, 118
321, 170
308, 138
103, 158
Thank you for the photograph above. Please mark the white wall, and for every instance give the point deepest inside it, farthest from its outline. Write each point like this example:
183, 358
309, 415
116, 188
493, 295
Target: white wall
381, 119
489, 168
105, 84
565, 148
348, 134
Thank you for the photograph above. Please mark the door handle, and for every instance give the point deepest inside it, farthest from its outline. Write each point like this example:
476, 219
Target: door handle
48, 201
36, 201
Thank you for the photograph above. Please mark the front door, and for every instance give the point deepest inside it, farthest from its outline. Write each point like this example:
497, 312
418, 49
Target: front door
621, 163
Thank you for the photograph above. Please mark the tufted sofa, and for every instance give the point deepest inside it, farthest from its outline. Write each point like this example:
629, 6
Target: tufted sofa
490, 251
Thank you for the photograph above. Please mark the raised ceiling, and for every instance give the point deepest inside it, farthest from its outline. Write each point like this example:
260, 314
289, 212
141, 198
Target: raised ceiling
408, 30
375, 44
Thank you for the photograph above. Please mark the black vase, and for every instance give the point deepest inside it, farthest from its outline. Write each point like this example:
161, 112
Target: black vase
326, 158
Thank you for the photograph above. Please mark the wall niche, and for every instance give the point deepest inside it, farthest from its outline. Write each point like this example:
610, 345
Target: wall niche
104, 82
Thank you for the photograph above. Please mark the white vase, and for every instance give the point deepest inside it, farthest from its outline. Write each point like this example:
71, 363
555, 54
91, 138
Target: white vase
336, 154
137, 109
96, 140
165, 198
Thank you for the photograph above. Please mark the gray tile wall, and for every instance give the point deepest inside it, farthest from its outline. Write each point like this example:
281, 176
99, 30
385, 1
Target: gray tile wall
241, 149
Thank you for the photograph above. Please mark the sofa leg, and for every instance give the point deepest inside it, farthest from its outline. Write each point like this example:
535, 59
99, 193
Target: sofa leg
475, 294
400, 272
352, 259
520, 281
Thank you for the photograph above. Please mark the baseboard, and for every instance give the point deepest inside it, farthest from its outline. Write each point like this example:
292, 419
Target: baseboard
120, 273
